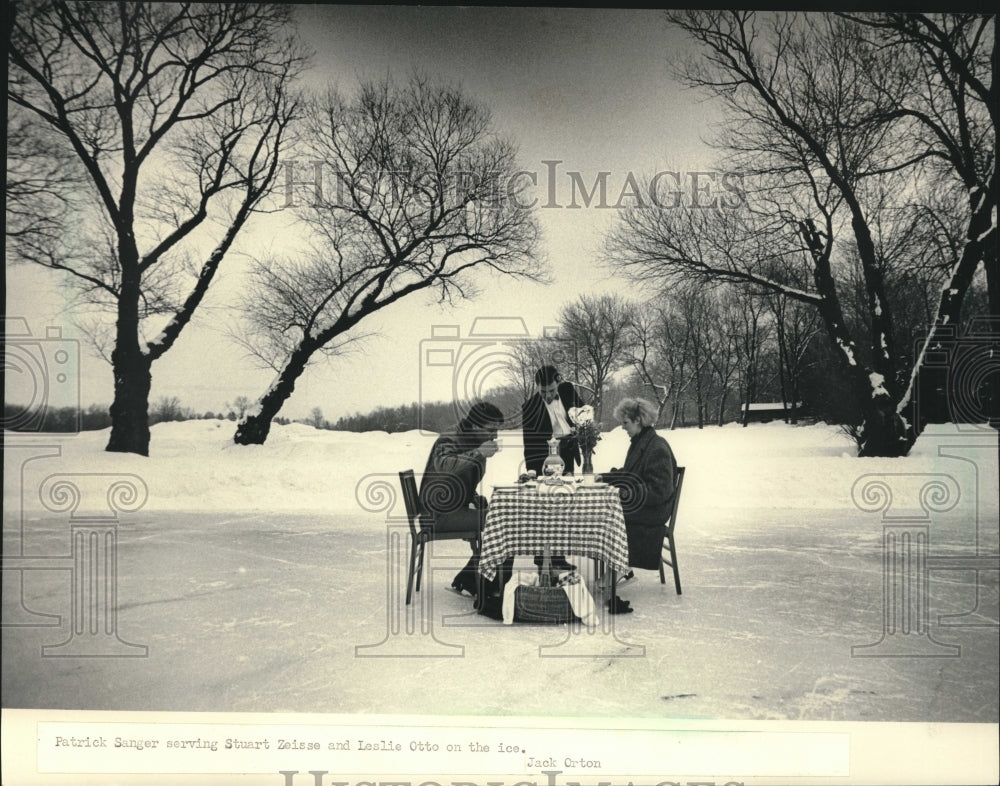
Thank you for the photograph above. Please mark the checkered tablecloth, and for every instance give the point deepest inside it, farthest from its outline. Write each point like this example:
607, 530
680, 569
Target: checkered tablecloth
587, 522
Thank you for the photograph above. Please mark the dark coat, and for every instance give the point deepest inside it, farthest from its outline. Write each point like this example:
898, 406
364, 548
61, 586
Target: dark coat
537, 429
651, 462
452, 475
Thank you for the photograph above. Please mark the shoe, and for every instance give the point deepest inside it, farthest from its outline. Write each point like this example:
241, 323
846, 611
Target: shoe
558, 564
462, 587
618, 606
624, 580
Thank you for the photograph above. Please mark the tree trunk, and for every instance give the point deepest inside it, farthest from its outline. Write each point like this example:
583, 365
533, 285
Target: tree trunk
130, 365
751, 392
256, 425
782, 362
660, 404
130, 408
927, 398
698, 398
883, 431
722, 406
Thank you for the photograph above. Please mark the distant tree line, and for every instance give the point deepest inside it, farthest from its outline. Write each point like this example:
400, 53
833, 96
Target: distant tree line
704, 353
69, 420
435, 416
700, 354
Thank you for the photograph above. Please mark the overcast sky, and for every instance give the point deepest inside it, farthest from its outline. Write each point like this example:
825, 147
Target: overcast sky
588, 89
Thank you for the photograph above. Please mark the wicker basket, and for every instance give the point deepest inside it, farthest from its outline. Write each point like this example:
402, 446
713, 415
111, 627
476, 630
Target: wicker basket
544, 603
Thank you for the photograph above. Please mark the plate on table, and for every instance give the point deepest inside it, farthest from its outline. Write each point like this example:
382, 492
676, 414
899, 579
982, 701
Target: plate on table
510, 486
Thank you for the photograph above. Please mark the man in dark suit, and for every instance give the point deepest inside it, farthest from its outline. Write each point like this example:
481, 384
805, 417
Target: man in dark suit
544, 415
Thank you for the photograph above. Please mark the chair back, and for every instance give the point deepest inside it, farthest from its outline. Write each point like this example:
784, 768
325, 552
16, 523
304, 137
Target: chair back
411, 499
678, 483
668, 533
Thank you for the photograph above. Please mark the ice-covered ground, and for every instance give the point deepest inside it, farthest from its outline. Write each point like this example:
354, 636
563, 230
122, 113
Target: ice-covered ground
258, 579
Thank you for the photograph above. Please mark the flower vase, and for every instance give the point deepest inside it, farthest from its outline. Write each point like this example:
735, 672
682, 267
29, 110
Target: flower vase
588, 465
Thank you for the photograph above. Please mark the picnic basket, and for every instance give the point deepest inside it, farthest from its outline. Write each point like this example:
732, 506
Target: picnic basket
543, 603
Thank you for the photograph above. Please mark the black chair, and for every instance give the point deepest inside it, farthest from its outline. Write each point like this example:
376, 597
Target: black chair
668, 534
422, 531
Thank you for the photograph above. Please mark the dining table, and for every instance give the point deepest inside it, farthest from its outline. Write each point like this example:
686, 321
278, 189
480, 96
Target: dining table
569, 518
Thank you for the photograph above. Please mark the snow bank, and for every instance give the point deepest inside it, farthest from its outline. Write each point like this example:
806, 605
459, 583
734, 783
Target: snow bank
195, 466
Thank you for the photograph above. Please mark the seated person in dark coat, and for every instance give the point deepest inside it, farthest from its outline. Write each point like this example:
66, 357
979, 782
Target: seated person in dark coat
647, 483
448, 488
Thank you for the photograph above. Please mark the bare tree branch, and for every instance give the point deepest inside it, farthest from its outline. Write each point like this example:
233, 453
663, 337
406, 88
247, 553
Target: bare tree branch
171, 119
414, 171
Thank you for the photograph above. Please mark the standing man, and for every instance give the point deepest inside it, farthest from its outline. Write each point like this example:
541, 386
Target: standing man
449, 486
546, 415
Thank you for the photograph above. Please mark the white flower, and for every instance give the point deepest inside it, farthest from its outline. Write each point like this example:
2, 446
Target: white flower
584, 414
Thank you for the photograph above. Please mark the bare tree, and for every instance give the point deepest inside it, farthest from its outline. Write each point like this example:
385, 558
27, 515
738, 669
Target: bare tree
238, 408
748, 324
648, 356
43, 182
166, 410
598, 329
795, 327
822, 155
723, 356
952, 118
316, 419
679, 342
526, 356
414, 208
695, 306
175, 115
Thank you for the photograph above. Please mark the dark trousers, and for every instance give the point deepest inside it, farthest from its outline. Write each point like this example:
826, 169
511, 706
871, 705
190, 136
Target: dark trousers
468, 578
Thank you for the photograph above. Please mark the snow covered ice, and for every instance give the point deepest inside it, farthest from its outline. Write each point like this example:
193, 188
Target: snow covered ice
258, 579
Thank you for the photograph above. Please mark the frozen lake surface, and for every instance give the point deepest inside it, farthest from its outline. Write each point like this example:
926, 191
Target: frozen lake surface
259, 580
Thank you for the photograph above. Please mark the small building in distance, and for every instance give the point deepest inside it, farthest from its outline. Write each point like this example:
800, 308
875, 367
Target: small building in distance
765, 412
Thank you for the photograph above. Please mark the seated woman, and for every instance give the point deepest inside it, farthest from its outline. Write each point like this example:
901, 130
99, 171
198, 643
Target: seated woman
455, 467
646, 482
